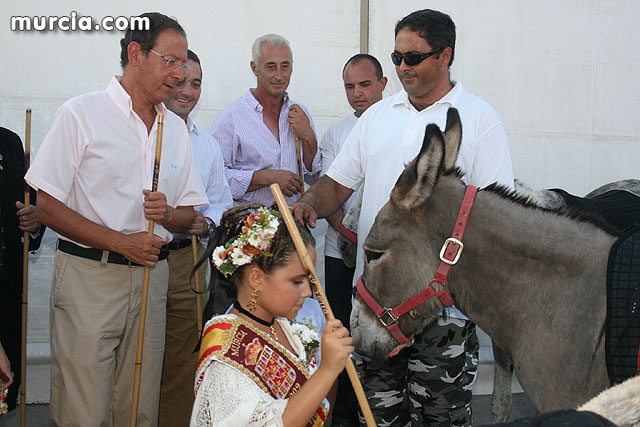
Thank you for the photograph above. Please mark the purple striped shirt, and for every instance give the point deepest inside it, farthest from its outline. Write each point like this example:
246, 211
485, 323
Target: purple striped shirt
248, 145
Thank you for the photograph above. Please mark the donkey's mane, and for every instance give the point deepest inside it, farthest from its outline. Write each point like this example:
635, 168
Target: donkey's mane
572, 213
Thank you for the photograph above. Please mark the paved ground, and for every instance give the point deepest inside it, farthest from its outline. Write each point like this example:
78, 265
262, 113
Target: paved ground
38, 415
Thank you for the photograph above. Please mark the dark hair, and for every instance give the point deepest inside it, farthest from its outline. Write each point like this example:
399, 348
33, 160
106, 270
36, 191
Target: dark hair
435, 27
282, 247
365, 57
192, 56
147, 38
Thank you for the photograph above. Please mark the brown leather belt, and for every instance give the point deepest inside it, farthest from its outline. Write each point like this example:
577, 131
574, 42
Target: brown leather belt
176, 244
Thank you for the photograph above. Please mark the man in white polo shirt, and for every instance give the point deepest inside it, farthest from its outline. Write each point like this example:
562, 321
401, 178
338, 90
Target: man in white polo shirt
429, 383
93, 174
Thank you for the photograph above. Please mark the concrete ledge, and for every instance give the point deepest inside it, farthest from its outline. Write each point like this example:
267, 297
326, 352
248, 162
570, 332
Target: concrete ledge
38, 382
38, 353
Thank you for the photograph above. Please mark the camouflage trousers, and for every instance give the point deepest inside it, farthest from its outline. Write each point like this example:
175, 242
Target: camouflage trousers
428, 384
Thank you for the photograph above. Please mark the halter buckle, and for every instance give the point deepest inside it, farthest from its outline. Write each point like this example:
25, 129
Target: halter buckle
444, 249
390, 321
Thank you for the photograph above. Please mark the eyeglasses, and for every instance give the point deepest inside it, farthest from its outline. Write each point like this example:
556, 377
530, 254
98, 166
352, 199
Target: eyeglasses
171, 63
412, 59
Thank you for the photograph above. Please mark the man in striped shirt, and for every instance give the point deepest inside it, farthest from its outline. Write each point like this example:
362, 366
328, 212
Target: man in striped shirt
257, 132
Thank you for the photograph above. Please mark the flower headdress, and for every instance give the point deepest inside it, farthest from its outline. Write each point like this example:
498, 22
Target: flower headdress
256, 235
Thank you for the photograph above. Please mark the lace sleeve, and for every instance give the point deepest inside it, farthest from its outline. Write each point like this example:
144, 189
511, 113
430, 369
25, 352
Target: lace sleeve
228, 398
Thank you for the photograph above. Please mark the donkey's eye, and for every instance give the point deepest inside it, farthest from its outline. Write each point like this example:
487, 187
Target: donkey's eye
372, 255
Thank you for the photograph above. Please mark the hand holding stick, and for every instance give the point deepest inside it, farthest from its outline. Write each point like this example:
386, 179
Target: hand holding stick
322, 299
145, 283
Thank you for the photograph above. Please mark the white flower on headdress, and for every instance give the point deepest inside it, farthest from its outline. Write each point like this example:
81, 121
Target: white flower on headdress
272, 226
240, 258
253, 238
216, 256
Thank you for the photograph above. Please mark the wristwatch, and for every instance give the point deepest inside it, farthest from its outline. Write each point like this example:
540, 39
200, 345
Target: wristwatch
211, 226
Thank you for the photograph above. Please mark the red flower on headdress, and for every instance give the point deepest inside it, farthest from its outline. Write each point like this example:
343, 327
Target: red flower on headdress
250, 249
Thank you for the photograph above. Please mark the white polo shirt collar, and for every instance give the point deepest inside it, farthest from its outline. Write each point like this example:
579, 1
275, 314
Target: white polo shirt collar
451, 98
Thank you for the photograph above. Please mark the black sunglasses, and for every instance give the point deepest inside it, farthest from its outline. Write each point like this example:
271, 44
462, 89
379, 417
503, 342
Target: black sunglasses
412, 59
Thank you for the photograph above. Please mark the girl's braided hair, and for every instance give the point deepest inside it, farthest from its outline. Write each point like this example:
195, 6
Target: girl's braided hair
282, 247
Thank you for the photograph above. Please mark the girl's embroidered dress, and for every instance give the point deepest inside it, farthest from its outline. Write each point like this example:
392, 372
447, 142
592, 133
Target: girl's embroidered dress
245, 377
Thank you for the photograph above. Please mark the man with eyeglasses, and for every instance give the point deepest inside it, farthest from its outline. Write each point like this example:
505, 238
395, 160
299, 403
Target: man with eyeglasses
257, 133
180, 361
93, 174
431, 382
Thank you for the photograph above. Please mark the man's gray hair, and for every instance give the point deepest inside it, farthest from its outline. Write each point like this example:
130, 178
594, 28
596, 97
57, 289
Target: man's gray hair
274, 39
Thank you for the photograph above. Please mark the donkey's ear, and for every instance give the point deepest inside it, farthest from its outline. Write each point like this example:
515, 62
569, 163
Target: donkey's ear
452, 137
420, 176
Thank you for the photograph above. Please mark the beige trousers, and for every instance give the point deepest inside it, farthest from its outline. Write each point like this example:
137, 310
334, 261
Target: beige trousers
180, 361
95, 314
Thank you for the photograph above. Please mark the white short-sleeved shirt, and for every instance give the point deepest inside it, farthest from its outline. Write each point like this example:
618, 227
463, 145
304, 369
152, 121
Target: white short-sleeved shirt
330, 146
98, 157
389, 135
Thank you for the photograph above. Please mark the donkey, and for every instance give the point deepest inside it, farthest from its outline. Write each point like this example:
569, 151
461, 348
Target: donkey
553, 200
548, 199
532, 279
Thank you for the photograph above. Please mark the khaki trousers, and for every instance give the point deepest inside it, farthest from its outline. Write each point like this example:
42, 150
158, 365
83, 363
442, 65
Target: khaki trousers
95, 314
180, 361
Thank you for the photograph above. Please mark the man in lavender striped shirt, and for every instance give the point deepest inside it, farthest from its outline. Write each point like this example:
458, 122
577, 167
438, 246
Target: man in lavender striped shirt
257, 132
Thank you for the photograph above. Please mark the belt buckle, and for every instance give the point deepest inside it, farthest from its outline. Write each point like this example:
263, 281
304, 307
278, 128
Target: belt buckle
130, 263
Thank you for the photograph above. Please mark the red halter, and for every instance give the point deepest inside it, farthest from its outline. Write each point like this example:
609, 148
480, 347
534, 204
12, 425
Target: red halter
449, 255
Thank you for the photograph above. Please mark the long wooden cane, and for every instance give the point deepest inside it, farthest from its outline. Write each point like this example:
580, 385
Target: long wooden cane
300, 172
194, 254
145, 283
25, 279
322, 299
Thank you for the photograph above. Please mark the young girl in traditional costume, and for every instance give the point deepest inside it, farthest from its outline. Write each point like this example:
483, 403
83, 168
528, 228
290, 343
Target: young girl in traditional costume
254, 368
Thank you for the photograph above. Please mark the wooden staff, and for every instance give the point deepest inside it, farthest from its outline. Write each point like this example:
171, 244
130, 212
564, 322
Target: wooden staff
145, 283
25, 279
300, 172
194, 254
322, 299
